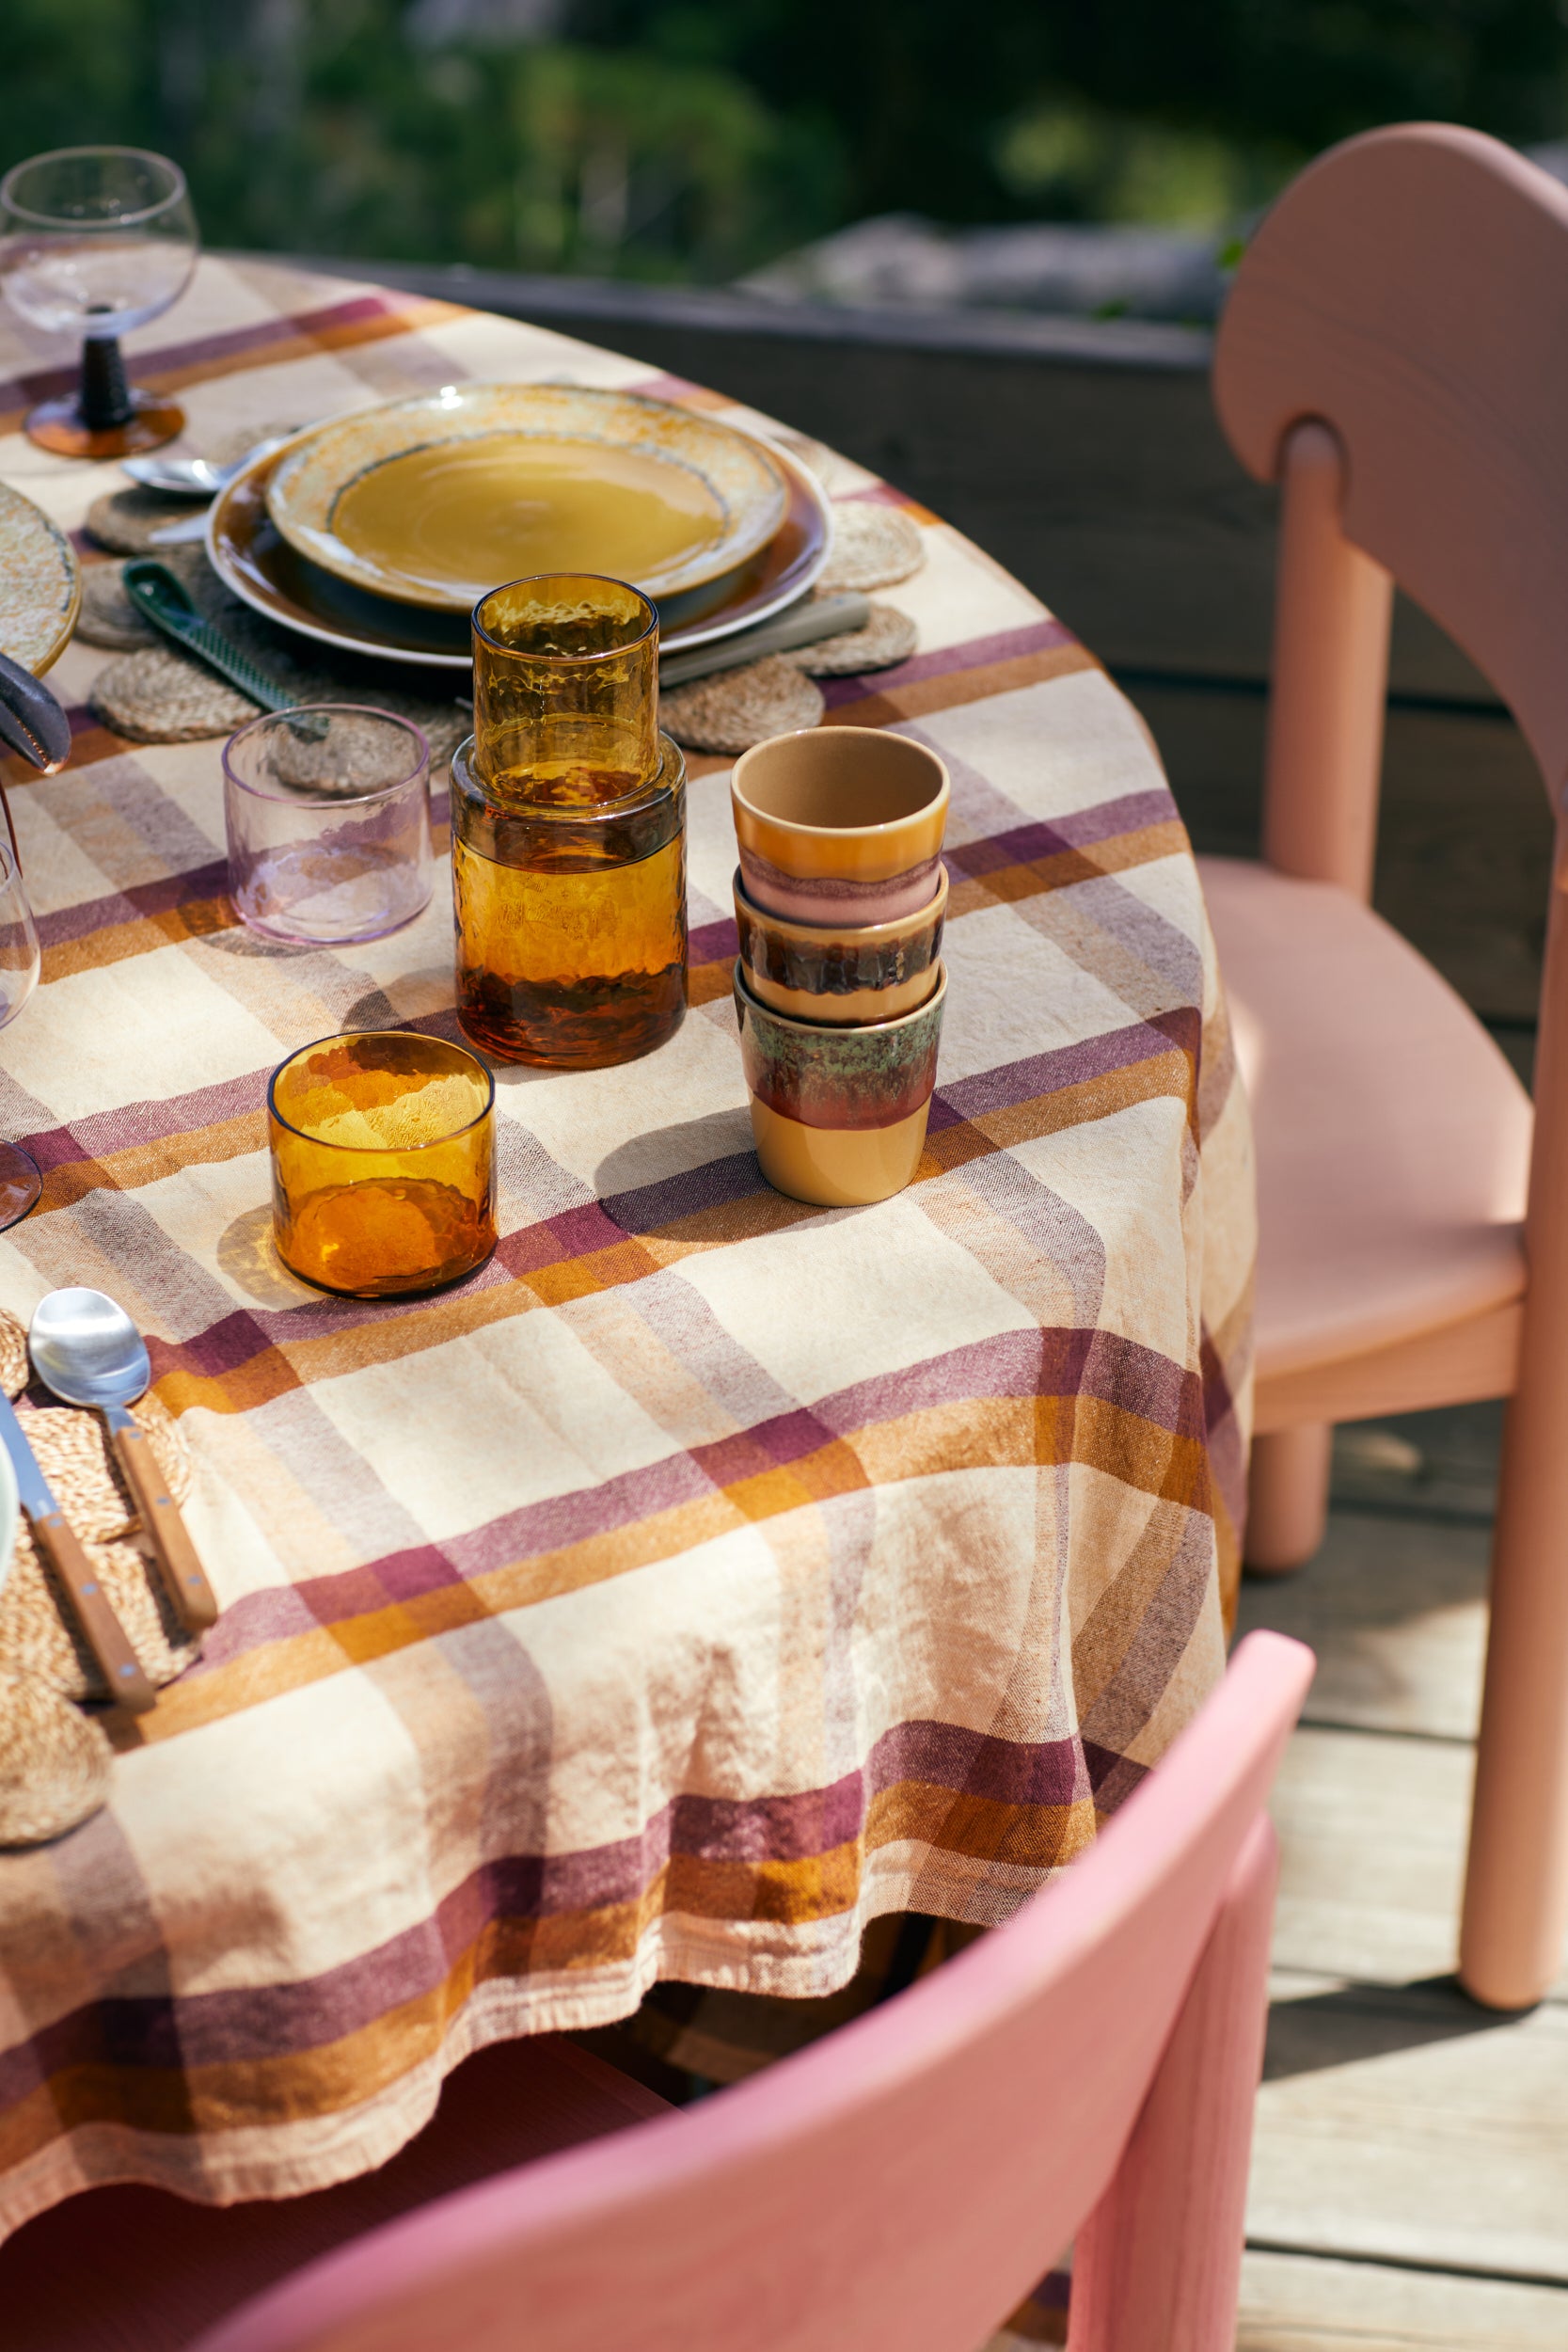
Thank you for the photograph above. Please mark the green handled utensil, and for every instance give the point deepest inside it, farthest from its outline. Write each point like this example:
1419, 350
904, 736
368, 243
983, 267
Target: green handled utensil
163, 600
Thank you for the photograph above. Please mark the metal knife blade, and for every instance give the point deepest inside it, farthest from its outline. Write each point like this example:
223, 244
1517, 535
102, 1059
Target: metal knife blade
31, 1484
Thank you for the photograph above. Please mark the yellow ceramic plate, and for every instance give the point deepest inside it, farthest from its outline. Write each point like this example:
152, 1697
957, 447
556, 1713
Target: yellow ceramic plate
40, 583
251, 557
433, 502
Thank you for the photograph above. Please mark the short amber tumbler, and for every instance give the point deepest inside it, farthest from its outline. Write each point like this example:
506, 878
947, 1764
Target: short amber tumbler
383, 1166
565, 692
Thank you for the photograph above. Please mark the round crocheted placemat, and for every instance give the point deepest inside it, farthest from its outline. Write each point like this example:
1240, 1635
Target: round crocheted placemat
124, 521
157, 696
55, 1763
873, 545
739, 707
53, 1771
889, 636
108, 617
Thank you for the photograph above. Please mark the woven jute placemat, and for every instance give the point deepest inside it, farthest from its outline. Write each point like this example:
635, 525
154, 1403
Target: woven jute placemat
54, 1760
154, 693
736, 708
889, 636
739, 707
873, 545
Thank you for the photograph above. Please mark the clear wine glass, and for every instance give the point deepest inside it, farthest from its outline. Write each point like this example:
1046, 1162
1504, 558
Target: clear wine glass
18, 975
97, 240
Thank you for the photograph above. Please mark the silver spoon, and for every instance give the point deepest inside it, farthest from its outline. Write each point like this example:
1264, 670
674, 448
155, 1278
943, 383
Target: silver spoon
195, 477
87, 1351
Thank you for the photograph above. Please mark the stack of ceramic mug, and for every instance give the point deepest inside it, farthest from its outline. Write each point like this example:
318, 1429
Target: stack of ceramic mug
839, 982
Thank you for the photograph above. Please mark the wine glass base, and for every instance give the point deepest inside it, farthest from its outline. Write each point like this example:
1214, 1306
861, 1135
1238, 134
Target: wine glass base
58, 425
20, 1183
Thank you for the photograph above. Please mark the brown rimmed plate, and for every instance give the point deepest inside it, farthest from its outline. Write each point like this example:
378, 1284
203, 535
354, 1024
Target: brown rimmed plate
251, 557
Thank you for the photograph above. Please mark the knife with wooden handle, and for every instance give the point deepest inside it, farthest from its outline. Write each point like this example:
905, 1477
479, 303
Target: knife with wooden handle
100, 1628
185, 1578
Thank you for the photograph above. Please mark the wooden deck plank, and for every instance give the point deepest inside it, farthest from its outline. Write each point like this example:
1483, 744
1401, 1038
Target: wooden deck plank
1396, 1610
1407, 2127
1302, 2303
1372, 1834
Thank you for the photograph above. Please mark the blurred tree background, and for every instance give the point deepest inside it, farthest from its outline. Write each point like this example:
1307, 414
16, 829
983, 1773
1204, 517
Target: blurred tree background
698, 138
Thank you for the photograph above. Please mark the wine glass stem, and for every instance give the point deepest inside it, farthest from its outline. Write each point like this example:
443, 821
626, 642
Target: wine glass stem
103, 400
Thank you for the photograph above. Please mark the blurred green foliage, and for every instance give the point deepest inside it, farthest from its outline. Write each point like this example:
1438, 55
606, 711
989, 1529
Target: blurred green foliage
698, 137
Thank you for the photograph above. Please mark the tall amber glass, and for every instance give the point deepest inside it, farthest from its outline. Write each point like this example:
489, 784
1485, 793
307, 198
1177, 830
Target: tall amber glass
565, 691
383, 1166
568, 830
571, 922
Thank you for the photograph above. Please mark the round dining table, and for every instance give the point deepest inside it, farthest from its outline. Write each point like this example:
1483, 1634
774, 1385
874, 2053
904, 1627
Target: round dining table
708, 1575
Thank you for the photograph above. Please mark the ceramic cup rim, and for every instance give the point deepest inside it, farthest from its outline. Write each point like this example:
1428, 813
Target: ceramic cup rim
324, 807
839, 1030
383, 1150
888, 826
872, 934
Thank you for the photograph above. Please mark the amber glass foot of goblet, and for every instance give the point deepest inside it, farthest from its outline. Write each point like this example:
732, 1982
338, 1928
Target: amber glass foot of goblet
19, 1184
59, 425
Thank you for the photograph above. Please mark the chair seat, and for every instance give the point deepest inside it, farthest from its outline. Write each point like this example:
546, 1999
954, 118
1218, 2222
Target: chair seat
128, 2269
1393, 1139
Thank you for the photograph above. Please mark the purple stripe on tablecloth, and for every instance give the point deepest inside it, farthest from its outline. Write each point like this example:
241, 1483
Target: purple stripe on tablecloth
100, 1133
1021, 845
133, 904
649, 1208
268, 2022
711, 942
975, 653
1012, 1083
38, 383
1051, 1362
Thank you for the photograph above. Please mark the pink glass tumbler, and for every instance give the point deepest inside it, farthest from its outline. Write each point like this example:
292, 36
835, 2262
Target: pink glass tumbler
327, 809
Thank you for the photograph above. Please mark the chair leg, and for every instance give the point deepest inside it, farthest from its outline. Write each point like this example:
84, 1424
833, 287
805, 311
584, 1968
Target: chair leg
1286, 1497
1157, 2268
1516, 1883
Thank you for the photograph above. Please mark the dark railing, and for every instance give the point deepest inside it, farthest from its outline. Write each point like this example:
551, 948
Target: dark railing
1085, 456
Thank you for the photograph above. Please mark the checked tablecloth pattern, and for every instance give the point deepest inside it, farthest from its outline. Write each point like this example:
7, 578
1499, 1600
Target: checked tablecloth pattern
708, 1575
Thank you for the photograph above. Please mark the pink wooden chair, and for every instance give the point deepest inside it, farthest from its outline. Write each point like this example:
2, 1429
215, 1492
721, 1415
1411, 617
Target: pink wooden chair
1088, 2069
1395, 352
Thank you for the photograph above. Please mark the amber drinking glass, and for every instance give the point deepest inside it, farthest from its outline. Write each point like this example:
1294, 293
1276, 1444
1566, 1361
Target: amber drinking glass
565, 691
383, 1166
571, 923
568, 831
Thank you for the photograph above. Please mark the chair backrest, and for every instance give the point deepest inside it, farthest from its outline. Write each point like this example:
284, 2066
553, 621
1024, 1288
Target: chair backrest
1410, 290
902, 2183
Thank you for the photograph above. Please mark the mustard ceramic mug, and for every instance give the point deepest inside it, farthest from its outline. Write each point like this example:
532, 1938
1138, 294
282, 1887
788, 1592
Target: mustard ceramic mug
840, 824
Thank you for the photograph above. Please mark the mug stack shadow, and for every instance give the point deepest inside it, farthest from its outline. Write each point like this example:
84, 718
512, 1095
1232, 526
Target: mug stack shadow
840, 900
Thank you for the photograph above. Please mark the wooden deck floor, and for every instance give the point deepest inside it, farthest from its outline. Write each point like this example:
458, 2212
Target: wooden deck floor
1410, 2176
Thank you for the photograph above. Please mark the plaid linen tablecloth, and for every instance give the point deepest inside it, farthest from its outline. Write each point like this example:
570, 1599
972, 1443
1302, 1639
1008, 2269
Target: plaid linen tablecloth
709, 1574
